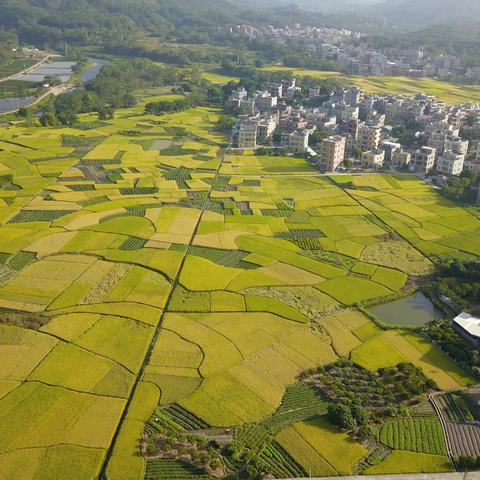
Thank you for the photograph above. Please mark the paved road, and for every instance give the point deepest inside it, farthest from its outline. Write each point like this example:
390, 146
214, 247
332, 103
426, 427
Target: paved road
409, 476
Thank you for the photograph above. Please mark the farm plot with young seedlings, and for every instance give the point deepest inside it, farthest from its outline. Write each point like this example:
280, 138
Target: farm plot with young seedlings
150, 279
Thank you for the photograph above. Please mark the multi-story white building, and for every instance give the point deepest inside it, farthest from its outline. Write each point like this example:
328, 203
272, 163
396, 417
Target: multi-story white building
373, 158
354, 96
450, 163
344, 112
423, 160
264, 102
247, 136
438, 140
401, 158
457, 145
298, 141
389, 148
247, 106
266, 126
332, 153
369, 137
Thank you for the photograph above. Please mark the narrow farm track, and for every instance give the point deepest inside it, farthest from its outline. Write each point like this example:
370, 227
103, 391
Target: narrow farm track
158, 329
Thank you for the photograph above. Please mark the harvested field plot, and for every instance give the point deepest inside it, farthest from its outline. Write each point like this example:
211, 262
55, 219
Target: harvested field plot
464, 439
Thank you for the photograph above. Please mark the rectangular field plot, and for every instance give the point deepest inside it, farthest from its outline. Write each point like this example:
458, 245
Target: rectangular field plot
416, 435
408, 462
39, 462
36, 415
464, 439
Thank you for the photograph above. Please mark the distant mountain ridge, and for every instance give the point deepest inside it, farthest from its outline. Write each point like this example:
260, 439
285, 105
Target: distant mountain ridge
424, 13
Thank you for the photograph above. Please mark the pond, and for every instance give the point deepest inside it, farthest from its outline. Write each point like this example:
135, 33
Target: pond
416, 310
10, 104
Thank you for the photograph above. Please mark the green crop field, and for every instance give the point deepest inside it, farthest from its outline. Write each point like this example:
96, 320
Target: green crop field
154, 272
407, 462
416, 435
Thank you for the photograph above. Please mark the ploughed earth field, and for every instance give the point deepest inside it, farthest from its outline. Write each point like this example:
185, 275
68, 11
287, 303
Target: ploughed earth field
157, 293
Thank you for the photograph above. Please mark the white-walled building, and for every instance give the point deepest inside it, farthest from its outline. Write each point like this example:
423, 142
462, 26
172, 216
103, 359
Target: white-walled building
369, 137
247, 136
457, 145
373, 158
401, 158
298, 141
450, 163
264, 102
423, 160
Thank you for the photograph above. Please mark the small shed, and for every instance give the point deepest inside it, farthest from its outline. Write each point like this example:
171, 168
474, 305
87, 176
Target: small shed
468, 326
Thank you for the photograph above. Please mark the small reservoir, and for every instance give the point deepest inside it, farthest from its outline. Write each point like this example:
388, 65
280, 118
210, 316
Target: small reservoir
415, 310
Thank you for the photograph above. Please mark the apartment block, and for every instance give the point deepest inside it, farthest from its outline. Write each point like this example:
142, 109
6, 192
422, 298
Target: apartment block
369, 137
438, 140
374, 158
264, 102
423, 160
298, 141
354, 96
266, 126
457, 145
389, 148
401, 158
332, 153
247, 136
450, 163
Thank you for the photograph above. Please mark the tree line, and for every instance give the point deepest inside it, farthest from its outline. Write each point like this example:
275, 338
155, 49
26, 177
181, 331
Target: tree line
114, 86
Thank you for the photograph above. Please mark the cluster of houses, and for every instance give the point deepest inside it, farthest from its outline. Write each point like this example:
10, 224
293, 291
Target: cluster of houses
357, 127
341, 45
264, 114
316, 35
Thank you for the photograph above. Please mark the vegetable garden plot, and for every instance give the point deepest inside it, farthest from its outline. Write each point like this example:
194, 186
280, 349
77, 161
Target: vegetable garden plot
416, 435
26, 216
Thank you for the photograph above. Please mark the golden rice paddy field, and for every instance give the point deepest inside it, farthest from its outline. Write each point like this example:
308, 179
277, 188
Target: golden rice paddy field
233, 274
445, 91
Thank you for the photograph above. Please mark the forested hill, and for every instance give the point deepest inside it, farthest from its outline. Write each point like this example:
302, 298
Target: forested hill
87, 21
48, 22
